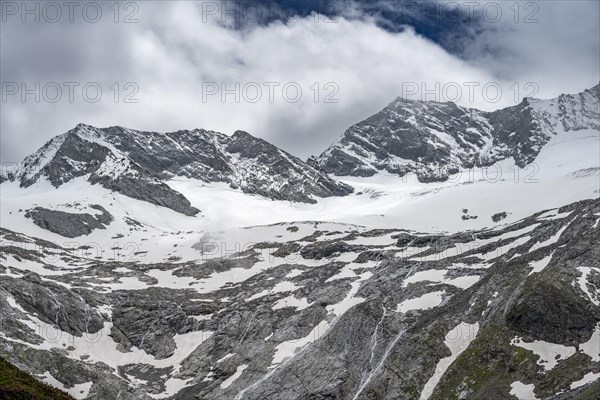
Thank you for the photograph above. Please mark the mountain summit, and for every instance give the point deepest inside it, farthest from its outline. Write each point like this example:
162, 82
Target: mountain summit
139, 164
435, 139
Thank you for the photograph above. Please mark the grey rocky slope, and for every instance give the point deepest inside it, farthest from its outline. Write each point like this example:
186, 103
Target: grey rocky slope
435, 139
337, 314
137, 164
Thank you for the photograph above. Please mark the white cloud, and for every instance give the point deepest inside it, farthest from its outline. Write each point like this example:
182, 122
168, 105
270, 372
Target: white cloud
553, 43
173, 51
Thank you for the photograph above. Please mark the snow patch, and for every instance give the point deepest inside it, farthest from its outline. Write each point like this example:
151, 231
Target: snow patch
539, 265
457, 341
79, 391
522, 391
240, 369
425, 302
587, 378
549, 353
592, 346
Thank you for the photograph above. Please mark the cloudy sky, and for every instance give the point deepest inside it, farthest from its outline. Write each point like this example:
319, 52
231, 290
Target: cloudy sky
297, 73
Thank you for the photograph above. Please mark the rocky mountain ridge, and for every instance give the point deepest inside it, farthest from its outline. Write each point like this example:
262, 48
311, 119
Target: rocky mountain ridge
435, 139
139, 165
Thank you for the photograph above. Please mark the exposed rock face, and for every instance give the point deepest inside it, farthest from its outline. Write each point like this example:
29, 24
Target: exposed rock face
263, 166
150, 318
330, 315
150, 190
137, 164
434, 139
69, 225
53, 304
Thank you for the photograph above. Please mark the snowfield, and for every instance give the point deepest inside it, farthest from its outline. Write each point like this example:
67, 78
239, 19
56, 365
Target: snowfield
231, 220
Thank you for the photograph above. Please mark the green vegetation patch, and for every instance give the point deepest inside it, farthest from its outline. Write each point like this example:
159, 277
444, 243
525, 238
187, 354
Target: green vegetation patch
19, 385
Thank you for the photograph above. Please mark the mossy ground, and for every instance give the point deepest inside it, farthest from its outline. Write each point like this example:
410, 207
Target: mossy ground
19, 385
487, 368
591, 393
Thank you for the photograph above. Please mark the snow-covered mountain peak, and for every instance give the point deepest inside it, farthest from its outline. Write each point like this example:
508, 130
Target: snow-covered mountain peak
434, 139
140, 164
